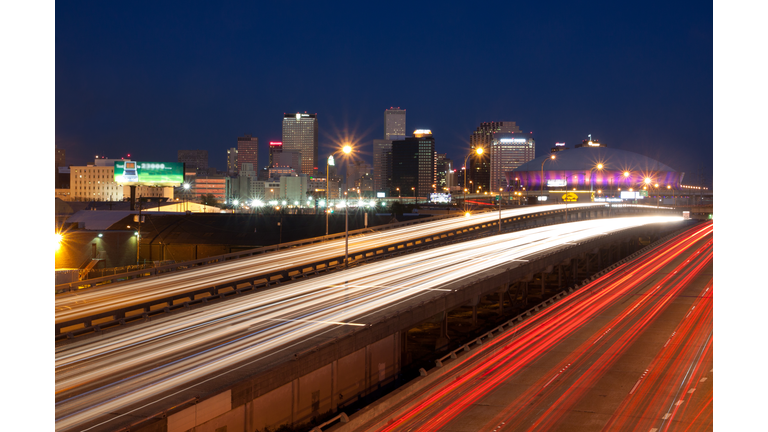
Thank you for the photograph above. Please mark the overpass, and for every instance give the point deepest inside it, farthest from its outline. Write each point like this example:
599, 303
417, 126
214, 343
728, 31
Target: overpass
91, 307
304, 379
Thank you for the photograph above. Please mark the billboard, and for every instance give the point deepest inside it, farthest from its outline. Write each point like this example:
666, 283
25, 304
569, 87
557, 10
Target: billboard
440, 197
132, 173
556, 183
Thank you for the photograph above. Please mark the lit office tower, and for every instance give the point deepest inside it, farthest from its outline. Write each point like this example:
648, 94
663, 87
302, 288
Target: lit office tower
232, 161
247, 151
300, 134
509, 151
480, 166
413, 164
382, 165
443, 165
193, 159
394, 124
275, 147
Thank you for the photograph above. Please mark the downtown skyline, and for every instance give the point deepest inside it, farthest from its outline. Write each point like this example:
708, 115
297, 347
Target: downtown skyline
642, 83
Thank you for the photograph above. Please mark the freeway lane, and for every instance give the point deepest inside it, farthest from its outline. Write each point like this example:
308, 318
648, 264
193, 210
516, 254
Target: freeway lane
565, 368
79, 304
136, 365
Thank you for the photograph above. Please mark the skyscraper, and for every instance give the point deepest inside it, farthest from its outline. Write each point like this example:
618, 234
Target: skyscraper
275, 147
194, 159
394, 124
413, 164
442, 166
247, 151
232, 161
509, 151
300, 134
382, 165
479, 168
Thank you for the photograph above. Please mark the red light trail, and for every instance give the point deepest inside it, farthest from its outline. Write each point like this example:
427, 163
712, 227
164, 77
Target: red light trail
549, 400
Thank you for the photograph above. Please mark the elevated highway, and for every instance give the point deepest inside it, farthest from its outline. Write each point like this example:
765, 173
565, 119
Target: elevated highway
275, 357
81, 311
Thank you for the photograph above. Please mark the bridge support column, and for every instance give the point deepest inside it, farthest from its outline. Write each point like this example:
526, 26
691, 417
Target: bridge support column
443, 339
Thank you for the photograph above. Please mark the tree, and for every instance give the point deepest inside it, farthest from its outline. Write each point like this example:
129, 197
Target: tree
209, 199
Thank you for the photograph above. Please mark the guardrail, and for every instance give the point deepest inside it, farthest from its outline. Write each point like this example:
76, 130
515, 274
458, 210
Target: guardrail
185, 265
156, 271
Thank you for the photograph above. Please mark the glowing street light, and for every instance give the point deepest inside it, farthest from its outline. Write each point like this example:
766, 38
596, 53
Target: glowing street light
552, 157
478, 151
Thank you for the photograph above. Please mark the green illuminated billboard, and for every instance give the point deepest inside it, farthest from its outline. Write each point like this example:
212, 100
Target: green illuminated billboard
149, 173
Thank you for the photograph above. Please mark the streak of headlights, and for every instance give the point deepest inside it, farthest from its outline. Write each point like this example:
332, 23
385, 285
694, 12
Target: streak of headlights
137, 364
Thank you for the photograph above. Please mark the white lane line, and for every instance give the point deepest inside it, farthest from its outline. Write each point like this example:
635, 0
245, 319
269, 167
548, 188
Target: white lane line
666, 416
691, 390
703, 379
679, 402
653, 429
312, 321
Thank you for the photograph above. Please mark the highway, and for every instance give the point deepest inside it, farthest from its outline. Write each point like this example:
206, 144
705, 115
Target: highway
74, 305
631, 350
141, 364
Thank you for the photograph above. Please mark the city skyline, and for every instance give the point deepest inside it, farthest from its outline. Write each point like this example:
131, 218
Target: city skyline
646, 89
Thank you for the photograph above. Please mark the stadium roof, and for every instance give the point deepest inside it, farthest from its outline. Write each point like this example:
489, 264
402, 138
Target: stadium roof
585, 158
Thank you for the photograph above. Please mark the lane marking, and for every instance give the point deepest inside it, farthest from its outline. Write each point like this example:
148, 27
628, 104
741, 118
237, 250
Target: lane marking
691, 390
653, 429
679, 402
703, 379
666, 416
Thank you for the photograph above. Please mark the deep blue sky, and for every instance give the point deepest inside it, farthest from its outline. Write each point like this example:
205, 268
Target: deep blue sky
152, 78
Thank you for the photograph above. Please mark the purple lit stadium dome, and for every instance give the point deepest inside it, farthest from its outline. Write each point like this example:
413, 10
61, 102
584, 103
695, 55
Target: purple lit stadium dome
571, 169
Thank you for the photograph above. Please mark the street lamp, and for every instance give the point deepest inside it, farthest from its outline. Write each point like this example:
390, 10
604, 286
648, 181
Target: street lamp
500, 190
186, 193
478, 151
414, 195
597, 167
398, 193
347, 149
552, 157
346, 230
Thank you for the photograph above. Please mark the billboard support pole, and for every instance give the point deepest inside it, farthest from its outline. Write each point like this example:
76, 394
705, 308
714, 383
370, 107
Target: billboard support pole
133, 197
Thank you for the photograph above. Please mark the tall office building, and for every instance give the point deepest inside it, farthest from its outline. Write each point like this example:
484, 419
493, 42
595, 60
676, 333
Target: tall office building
275, 147
232, 167
290, 159
194, 159
479, 168
443, 166
356, 170
300, 134
413, 164
247, 151
509, 151
382, 165
394, 124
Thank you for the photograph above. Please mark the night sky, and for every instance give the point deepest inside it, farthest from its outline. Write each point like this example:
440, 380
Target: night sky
152, 78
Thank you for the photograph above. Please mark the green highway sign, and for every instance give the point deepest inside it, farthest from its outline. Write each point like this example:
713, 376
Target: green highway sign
134, 173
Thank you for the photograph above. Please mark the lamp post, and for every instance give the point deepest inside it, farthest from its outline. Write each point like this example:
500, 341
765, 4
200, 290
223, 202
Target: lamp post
478, 151
186, 192
413, 189
347, 149
500, 190
398, 193
346, 230
597, 167
552, 157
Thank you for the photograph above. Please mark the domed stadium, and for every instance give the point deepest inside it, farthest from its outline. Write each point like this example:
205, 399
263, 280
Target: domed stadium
593, 169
